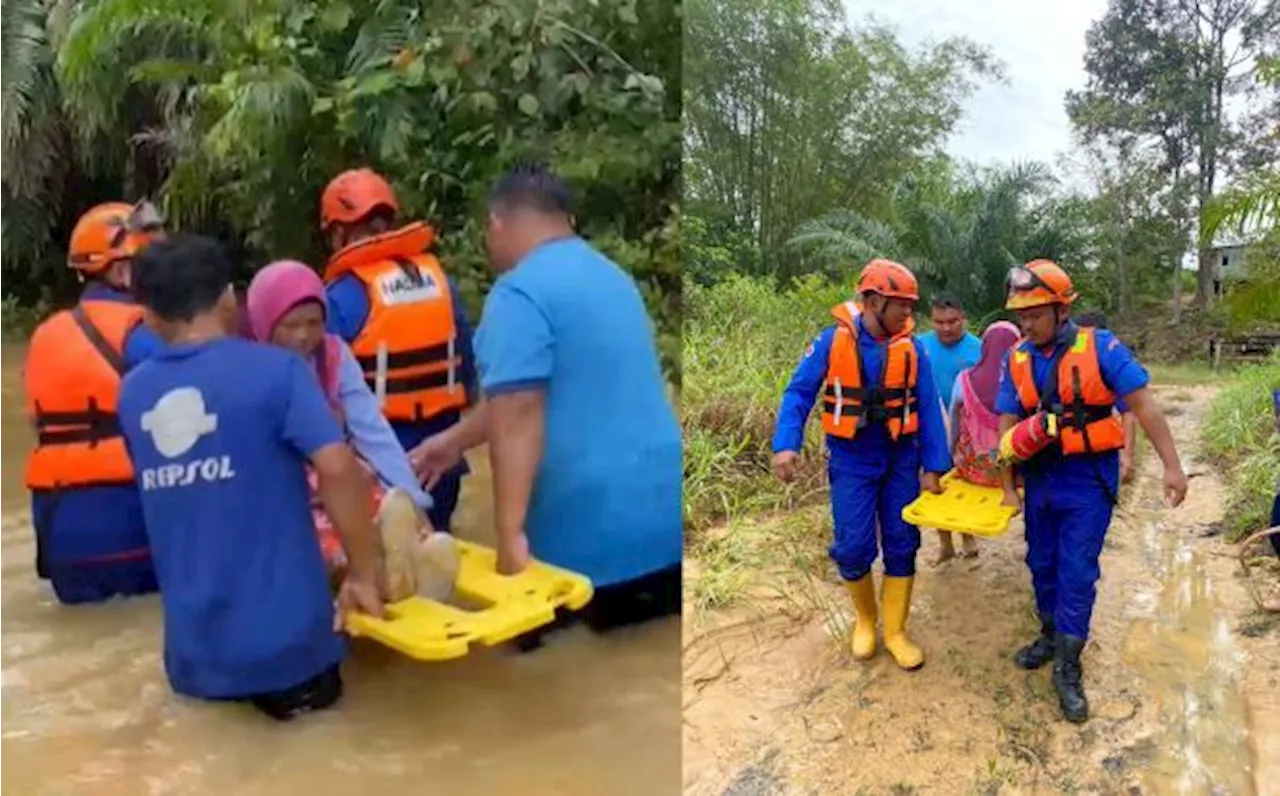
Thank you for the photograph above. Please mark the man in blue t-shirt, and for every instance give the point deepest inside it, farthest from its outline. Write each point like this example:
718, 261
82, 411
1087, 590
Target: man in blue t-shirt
220, 430
951, 347
584, 442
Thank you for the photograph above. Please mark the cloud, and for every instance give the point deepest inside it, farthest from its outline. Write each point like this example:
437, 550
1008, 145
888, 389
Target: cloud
1042, 46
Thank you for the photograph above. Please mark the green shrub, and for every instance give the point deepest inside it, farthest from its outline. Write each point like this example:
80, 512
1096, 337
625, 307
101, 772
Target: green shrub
742, 339
1240, 433
17, 320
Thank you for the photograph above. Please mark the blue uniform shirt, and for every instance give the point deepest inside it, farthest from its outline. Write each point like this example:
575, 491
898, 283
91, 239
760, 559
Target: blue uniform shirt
949, 360
607, 499
1121, 372
807, 381
349, 312
141, 343
219, 433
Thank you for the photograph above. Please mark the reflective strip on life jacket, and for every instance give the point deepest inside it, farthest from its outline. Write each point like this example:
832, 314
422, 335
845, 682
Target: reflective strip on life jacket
1084, 403
408, 346
848, 405
72, 377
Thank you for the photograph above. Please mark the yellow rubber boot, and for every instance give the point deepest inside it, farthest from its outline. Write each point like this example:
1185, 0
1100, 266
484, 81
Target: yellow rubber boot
896, 599
863, 592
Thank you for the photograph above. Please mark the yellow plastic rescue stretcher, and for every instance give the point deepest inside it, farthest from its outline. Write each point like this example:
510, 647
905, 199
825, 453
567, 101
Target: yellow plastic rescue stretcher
961, 508
505, 607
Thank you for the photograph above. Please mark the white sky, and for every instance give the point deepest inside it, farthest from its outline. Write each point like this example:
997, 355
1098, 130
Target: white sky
1040, 42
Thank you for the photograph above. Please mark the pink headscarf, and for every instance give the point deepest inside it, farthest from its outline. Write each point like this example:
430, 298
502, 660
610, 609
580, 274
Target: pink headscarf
277, 289
984, 377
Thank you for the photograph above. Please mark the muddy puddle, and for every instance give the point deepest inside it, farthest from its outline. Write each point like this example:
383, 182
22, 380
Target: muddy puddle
1183, 692
87, 712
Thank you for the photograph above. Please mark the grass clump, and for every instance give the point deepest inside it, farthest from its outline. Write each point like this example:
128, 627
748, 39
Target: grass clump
742, 340
1240, 433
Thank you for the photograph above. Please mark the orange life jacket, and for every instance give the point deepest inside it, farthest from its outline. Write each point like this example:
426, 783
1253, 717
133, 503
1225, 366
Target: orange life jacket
848, 404
1087, 422
72, 378
410, 322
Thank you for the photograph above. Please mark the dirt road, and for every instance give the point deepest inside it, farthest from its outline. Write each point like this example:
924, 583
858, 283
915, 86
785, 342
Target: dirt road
1183, 677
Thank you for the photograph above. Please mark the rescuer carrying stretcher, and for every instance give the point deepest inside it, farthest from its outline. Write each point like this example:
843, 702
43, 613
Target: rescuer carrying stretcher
1057, 398
884, 426
91, 543
391, 300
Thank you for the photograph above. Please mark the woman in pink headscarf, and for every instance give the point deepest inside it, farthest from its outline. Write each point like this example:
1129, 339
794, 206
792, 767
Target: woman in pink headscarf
286, 306
975, 425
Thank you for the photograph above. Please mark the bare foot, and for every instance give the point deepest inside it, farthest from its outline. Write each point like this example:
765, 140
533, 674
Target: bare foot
944, 555
970, 547
437, 560
398, 523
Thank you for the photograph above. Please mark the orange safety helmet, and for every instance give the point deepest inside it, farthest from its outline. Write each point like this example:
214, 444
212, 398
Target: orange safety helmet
353, 195
1038, 283
110, 232
888, 279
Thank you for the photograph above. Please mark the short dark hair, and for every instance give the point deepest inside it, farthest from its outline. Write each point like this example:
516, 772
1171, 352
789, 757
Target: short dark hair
531, 186
1097, 320
181, 277
945, 301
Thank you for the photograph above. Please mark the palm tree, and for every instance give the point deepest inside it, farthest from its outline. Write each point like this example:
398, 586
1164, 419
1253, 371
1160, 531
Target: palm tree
39, 155
960, 234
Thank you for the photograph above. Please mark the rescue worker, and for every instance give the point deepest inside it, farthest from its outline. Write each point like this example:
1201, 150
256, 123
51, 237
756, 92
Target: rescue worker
1078, 374
90, 539
1130, 423
392, 302
884, 425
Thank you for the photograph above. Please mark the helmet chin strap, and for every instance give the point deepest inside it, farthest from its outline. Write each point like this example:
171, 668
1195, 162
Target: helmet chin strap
878, 314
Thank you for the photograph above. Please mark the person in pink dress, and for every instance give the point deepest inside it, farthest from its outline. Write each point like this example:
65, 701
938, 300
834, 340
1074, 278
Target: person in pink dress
975, 432
285, 306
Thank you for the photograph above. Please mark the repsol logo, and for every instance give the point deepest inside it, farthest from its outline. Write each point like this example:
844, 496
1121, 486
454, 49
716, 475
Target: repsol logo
167, 476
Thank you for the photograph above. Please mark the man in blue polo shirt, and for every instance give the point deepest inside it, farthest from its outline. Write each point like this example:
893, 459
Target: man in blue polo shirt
220, 430
585, 445
950, 346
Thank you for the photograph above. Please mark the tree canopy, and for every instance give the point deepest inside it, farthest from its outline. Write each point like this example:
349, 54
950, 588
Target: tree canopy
235, 113
813, 143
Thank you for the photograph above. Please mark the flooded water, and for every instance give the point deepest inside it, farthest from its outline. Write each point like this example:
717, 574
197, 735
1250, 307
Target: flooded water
87, 711
1183, 646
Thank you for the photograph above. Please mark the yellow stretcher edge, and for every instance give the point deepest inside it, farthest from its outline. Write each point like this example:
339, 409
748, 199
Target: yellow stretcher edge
961, 508
508, 607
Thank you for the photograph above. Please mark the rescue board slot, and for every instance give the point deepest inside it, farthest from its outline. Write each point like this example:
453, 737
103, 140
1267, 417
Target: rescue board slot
961, 508
486, 609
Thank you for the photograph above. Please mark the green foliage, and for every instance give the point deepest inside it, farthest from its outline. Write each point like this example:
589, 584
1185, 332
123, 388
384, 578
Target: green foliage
742, 339
237, 113
793, 115
958, 233
1254, 303
1158, 74
812, 147
1241, 432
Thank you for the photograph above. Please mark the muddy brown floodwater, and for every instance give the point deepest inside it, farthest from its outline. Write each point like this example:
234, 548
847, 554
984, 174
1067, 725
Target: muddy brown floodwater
87, 711
1182, 674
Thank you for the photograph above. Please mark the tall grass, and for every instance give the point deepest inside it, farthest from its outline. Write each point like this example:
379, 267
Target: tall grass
1241, 433
742, 340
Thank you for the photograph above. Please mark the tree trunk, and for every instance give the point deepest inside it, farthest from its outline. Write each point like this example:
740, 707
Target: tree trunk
1177, 262
1122, 272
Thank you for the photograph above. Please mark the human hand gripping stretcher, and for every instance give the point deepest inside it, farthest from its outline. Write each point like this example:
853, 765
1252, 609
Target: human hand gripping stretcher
445, 594
963, 507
